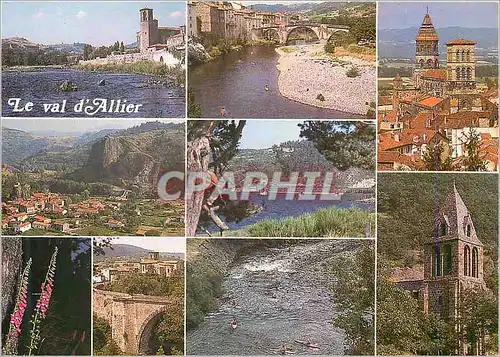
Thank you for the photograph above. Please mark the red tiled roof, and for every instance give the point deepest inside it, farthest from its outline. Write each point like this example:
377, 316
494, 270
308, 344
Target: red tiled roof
421, 120
461, 119
390, 117
406, 137
435, 74
460, 41
430, 102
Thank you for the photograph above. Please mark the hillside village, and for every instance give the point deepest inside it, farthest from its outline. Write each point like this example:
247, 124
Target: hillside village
110, 271
99, 183
440, 118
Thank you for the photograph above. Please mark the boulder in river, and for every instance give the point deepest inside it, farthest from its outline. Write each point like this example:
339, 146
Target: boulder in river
67, 86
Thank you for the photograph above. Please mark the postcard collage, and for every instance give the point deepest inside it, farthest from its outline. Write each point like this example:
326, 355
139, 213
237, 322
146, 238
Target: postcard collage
249, 178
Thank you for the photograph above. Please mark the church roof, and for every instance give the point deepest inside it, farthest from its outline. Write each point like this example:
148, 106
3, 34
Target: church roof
460, 41
427, 31
435, 74
456, 215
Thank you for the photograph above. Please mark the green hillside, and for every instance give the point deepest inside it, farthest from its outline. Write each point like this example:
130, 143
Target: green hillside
406, 206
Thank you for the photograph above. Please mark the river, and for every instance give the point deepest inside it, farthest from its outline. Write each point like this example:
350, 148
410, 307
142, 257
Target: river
277, 295
40, 87
237, 80
281, 208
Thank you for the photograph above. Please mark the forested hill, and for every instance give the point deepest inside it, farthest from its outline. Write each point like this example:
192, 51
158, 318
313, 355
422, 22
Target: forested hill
406, 206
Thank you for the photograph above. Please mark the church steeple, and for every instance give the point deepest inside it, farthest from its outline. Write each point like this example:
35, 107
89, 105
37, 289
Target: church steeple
457, 218
427, 48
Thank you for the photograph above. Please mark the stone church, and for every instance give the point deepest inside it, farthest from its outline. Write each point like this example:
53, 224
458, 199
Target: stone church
455, 81
151, 35
453, 263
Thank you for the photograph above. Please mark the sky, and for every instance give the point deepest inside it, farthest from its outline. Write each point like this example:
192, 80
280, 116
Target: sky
399, 15
157, 244
76, 126
94, 22
261, 134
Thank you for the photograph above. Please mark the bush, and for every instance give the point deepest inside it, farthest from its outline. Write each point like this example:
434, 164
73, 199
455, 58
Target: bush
371, 114
329, 47
328, 222
353, 72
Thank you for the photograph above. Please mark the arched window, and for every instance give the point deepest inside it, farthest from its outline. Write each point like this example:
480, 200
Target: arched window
447, 259
429, 63
468, 56
466, 260
469, 73
436, 63
421, 63
439, 305
457, 55
436, 264
467, 230
475, 256
442, 229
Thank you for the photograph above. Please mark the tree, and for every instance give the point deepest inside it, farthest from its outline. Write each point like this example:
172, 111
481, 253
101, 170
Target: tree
354, 291
122, 47
400, 320
472, 145
194, 110
211, 144
478, 314
434, 159
345, 144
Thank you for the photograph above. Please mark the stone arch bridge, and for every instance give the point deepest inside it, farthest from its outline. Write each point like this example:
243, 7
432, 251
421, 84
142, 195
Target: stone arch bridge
132, 317
322, 31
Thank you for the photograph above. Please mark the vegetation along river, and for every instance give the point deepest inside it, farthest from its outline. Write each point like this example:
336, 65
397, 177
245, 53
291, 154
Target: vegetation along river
277, 295
237, 81
281, 208
39, 87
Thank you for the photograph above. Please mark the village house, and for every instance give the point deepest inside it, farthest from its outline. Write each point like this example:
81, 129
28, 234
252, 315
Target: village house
113, 223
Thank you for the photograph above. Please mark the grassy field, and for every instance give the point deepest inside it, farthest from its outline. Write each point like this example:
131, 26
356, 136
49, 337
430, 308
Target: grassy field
328, 222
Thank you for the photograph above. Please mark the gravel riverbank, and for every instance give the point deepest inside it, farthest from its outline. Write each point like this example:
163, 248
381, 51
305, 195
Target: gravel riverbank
306, 72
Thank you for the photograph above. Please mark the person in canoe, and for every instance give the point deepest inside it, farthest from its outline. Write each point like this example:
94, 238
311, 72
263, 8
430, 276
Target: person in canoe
233, 324
223, 112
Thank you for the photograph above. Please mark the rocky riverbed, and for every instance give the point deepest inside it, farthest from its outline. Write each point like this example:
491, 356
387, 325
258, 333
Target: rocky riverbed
309, 76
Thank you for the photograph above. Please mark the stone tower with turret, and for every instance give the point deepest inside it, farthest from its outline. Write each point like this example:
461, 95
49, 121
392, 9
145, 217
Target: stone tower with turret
148, 34
453, 261
427, 49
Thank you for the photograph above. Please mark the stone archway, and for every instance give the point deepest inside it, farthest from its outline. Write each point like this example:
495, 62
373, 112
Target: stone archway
146, 331
338, 37
309, 29
161, 59
271, 34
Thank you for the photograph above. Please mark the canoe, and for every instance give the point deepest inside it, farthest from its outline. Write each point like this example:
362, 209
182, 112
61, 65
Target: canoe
305, 343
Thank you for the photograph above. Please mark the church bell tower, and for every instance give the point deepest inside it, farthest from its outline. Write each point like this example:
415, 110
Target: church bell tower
427, 49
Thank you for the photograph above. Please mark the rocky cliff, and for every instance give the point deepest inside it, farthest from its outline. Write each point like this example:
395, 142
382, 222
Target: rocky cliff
133, 160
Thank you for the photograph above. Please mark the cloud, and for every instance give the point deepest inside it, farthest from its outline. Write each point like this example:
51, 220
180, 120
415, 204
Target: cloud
38, 15
177, 14
80, 14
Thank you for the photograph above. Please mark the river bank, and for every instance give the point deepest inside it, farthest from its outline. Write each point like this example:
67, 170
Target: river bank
33, 68
308, 75
176, 73
277, 290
